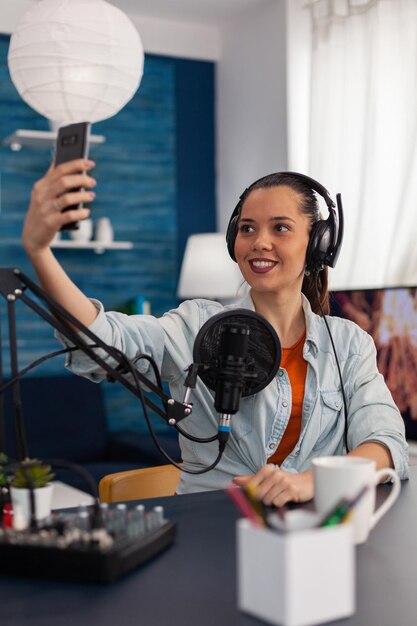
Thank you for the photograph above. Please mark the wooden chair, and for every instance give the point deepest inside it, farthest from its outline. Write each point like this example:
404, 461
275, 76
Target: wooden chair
137, 484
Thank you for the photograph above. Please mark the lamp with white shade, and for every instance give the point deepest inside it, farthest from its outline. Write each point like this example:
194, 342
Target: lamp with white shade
75, 60
207, 271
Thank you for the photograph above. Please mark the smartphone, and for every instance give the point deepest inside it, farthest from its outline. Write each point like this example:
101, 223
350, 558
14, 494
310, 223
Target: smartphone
72, 143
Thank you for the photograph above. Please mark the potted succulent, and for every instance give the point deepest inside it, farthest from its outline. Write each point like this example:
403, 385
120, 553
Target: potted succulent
31, 475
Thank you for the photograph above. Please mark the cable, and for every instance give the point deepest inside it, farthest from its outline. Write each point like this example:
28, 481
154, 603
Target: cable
159, 383
130, 366
194, 438
37, 362
60, 319
336, 359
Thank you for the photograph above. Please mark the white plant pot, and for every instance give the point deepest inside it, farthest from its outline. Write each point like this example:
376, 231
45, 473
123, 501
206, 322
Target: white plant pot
43, 501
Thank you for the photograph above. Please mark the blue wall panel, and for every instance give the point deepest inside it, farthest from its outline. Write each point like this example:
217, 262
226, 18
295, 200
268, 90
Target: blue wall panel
195, 149
147, 174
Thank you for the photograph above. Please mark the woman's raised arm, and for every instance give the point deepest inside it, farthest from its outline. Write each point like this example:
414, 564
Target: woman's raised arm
50, 195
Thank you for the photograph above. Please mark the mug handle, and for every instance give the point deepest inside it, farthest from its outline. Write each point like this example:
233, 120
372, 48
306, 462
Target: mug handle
395, 492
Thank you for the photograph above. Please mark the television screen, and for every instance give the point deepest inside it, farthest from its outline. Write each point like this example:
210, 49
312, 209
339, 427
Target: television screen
390, 316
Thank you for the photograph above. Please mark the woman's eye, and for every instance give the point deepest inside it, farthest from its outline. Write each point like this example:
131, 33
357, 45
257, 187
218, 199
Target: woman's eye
246, 228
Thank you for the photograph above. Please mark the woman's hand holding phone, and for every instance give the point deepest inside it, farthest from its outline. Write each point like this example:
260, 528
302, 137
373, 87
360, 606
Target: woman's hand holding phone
72, 143
51, 195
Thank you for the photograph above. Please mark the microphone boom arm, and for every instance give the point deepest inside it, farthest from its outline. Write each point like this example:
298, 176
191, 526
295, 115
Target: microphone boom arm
13, 284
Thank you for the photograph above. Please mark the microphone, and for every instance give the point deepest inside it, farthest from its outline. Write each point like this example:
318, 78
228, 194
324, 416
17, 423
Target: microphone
233, 349
238, 353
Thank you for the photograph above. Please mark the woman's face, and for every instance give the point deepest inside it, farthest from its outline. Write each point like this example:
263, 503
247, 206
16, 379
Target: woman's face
272, 240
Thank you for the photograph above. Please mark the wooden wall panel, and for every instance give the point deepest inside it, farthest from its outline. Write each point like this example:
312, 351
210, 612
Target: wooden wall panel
137, 172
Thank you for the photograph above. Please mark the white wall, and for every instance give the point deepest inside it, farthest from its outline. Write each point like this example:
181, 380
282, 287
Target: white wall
178, 39
298, 84
251, 103
251, 107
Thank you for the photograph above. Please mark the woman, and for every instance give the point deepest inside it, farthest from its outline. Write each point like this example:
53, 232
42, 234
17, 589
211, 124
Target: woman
299, 416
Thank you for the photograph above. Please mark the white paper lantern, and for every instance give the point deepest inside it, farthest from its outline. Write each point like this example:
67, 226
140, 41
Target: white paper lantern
76, 60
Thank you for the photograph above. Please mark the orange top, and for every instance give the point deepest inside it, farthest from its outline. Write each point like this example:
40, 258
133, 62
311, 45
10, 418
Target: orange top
292, 361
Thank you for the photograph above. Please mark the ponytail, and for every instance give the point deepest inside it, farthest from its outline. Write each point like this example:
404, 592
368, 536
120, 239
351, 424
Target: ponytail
318, 301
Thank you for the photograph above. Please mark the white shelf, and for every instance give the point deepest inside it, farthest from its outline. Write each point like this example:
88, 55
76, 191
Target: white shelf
97, 246
23, 138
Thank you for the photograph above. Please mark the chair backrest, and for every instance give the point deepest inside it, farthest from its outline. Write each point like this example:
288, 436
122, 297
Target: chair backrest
137, 484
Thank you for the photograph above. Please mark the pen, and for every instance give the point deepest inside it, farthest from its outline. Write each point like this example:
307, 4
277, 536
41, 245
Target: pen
263, 510
250, 493
343, 509
244, 506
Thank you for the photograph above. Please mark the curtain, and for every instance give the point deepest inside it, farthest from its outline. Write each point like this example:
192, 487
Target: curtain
363, 133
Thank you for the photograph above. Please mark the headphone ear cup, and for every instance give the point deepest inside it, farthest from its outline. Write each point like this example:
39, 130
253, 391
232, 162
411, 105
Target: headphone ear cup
231, 235
319, 246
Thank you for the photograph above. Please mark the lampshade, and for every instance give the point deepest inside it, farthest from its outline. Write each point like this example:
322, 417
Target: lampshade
75, 60
207, 270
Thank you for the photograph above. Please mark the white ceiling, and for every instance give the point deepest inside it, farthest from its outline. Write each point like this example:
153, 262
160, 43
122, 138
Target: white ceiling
210, 12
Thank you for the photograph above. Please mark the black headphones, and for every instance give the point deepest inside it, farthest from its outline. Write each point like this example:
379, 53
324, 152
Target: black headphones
325, 237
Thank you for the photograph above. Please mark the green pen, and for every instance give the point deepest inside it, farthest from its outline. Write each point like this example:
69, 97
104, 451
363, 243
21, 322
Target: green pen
340, 513
337, 515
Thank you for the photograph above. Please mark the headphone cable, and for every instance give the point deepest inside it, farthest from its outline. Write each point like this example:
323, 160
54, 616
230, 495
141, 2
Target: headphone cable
336, 359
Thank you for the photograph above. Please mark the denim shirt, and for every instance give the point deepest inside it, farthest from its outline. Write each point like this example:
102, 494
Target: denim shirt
260, 423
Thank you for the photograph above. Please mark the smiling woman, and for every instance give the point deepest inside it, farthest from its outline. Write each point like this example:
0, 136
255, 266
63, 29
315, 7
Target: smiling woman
271, 244
282, 247
325, 236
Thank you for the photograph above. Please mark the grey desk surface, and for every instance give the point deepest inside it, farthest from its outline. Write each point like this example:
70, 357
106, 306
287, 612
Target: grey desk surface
193, 583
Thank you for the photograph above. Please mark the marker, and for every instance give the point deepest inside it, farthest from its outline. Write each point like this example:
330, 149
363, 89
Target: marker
251, 494
263, 510
244, 506
343, 510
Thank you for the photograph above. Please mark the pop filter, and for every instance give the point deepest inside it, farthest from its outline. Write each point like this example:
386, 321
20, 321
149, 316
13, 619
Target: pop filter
262, 354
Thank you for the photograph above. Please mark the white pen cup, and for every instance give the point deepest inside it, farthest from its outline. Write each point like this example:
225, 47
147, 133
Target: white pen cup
338, 477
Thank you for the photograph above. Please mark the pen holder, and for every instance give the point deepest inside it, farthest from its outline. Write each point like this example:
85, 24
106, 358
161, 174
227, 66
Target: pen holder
298, 578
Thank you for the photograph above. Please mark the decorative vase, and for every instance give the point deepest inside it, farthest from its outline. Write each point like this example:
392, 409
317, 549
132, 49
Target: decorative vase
43, 502
84, 231
103, 230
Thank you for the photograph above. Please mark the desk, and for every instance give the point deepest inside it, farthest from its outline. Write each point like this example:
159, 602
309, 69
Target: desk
65, 496
193, 583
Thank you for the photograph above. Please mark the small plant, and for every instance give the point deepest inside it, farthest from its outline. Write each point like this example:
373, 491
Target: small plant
31, 474
4, 482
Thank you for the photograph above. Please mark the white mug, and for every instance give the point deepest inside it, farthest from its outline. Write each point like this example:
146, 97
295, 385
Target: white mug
337, 477
84, 231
